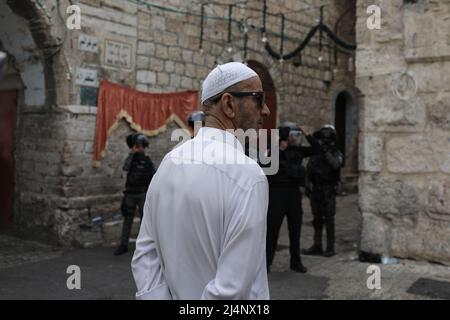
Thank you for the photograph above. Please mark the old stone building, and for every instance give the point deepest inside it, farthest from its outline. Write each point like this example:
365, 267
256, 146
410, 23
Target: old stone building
402, 71
396, 112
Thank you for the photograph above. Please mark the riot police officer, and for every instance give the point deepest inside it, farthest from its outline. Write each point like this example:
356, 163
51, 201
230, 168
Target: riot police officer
285, 194
323, 176
140, 170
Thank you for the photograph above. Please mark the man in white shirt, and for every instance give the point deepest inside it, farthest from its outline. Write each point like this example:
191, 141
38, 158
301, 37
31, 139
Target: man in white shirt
204, 228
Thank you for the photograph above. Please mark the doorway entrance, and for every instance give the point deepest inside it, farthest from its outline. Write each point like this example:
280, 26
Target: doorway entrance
346, 123
8, 107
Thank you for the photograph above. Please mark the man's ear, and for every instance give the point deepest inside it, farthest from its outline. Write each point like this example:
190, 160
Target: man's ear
228, 106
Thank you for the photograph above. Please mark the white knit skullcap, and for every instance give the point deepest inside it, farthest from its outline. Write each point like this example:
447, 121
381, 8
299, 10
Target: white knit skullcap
224, 76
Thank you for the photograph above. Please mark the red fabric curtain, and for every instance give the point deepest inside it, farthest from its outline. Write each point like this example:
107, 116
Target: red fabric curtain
145, 112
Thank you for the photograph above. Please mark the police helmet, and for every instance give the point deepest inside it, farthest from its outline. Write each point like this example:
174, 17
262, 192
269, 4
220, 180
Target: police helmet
141, 139
328, 132
196, 116
286, 128
137, 138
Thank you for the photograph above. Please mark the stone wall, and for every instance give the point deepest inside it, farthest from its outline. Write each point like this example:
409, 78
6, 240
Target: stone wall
402, 71
166, 58
59, 191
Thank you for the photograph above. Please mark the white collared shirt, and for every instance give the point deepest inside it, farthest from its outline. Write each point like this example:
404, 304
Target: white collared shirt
203, 234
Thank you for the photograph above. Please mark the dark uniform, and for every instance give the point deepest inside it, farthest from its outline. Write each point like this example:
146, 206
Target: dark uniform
323, 176
285, 199
140, 170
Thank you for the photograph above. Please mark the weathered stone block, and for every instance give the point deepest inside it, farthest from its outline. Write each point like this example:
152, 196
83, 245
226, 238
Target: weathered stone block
146, 48
175, 80
199, 59
170, 39
163, 79
187, 55
440, 144
169, 66
146, 77
142, 62
410, 154
438, 107
162, 52
158, 22
375, 231
388, 196
438, 199
179, 68
431, 77
187, 83
157, 64
371, 153
391, 114
175, 53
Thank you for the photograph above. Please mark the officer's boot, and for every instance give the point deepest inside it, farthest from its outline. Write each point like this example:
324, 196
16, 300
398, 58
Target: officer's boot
316, 248
329, 252
126, 230
121, 250
297, 266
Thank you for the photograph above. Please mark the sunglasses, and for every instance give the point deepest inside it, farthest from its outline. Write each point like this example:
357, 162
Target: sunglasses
260, 96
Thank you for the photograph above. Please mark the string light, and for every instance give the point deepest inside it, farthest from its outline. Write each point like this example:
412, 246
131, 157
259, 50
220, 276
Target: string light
264, 37
263, 29
321, 27
230, 19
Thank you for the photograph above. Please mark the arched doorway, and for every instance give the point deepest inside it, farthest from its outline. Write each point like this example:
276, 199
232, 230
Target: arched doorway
269, 89
9, 94
27, 91
346, 123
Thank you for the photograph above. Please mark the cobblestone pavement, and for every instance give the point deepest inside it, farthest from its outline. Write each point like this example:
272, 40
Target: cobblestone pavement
15, 252
30, 270
343, 276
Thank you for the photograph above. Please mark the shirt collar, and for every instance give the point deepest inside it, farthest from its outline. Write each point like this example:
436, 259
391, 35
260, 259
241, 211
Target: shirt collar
219, 135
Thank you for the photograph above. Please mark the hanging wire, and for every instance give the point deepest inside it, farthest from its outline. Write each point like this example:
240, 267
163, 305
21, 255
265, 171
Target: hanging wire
282, 38
321, 31
320, 27
230, 21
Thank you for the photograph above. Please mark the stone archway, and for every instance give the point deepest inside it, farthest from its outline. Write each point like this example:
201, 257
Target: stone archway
28, 92
346, 123
26, 37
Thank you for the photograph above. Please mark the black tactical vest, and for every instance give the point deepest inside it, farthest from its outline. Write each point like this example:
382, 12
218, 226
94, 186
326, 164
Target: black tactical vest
140, 174
320, 172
